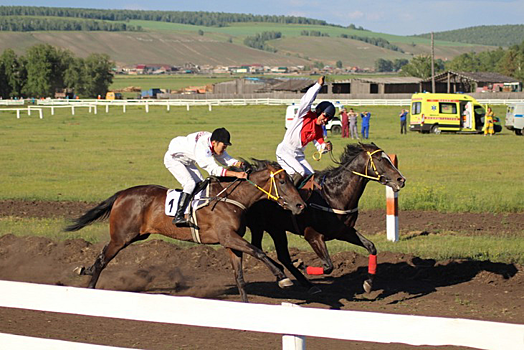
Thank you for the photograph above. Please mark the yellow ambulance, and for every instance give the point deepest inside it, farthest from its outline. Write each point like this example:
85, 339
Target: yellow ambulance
436, 113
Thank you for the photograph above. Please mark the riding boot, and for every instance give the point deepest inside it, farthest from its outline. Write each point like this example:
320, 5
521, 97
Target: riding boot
297, 179
179, 218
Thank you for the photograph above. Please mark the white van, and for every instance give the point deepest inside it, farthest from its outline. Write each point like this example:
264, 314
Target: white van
515, 117
334, 125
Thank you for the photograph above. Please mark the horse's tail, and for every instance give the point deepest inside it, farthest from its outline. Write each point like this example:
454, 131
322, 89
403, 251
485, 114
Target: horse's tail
99, 212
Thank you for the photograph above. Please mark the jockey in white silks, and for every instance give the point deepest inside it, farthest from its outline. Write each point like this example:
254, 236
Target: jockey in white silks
203, 149
306, 127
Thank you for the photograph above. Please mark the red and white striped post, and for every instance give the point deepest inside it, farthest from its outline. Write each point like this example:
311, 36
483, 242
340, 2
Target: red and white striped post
392, 208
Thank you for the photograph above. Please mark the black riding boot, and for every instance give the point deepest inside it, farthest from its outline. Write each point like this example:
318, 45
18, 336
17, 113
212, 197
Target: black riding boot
297, 179
179, 218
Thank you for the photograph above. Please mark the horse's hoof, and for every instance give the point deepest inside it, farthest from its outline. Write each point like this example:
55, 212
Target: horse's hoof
367, 286
79, 270
314, 290
285, 283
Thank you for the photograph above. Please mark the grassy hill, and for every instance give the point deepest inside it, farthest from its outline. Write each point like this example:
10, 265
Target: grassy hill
176, 44
503, 35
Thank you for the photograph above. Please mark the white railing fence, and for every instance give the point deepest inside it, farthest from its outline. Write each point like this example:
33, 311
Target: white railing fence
94, 104
297, 321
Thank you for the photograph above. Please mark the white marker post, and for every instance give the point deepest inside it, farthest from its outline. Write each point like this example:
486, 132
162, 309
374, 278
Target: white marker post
392, 208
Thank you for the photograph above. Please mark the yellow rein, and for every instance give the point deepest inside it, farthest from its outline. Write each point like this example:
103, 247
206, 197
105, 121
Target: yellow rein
273, 185
372, 165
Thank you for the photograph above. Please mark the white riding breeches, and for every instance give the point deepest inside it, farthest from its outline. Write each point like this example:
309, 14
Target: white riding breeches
293, 161
186, 174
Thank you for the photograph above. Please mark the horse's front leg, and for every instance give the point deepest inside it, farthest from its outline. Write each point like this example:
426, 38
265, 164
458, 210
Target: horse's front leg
353, 236
233, 241
317, 242
281, 246
236, 260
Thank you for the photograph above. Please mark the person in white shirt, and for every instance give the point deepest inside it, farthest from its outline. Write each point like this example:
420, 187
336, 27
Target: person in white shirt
306, 127
203, 149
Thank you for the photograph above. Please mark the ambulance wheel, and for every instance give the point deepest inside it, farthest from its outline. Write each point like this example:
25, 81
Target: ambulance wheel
518, 132
435, 129
336, 130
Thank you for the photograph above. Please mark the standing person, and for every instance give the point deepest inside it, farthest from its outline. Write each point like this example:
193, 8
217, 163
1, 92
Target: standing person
345, 123
366, 116
467, 116
305, 127
403, 121
489, 123
353, 119
200, 148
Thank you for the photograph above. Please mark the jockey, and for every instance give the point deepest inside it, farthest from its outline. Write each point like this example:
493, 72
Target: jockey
306, 127
200, 148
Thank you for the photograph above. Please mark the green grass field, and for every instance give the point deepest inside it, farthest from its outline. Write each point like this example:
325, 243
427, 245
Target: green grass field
89, 157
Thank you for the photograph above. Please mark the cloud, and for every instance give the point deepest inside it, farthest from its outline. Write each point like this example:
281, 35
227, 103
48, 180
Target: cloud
356, 14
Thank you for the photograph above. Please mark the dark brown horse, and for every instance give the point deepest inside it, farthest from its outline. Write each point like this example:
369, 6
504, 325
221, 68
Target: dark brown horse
332, 209
137, 212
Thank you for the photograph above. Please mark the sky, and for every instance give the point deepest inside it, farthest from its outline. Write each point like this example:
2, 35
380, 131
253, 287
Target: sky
400, 17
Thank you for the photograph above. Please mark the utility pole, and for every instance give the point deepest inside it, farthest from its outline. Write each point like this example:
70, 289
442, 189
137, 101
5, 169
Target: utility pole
432, 64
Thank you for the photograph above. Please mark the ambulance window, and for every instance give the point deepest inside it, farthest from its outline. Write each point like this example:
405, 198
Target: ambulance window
447, 108
415, 108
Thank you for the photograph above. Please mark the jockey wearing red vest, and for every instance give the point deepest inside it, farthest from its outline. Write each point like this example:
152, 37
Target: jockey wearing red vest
306, 127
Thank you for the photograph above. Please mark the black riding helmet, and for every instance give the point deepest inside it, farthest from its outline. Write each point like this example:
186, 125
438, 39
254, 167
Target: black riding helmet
221, 135
327, 108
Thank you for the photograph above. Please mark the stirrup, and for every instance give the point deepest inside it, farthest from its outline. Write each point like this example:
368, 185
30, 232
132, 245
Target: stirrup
180, 222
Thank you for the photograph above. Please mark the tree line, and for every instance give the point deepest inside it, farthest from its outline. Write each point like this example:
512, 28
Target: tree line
30, 24
45, 70
258, 41
380, 42
508, 62
503, 35
201, 18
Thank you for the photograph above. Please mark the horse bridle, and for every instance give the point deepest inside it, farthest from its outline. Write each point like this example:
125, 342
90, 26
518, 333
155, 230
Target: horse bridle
270, 195
374, 167
272, 186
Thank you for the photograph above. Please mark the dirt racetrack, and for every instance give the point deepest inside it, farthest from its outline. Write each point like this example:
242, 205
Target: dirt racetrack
405, 284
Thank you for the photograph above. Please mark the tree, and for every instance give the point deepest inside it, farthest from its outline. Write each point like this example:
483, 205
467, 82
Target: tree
75, 76
339, 64
382, 65
45, 66
398, 63
512, 63
98, 74
420, 67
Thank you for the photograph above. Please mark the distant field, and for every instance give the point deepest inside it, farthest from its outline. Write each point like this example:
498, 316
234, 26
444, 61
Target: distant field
177, 44
165, 82
89, 157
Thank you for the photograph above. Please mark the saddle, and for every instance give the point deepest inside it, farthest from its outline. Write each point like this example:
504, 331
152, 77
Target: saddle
307, 186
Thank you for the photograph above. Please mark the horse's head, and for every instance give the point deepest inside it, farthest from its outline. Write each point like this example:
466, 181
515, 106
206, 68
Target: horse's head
376, 165
276, 184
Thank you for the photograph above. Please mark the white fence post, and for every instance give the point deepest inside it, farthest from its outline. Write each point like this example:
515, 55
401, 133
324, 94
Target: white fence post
293, 342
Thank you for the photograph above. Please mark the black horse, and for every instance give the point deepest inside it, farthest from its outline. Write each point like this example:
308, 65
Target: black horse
332, 209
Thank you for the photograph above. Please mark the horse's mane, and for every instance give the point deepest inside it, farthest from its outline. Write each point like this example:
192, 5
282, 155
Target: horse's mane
351, 151
254, 165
